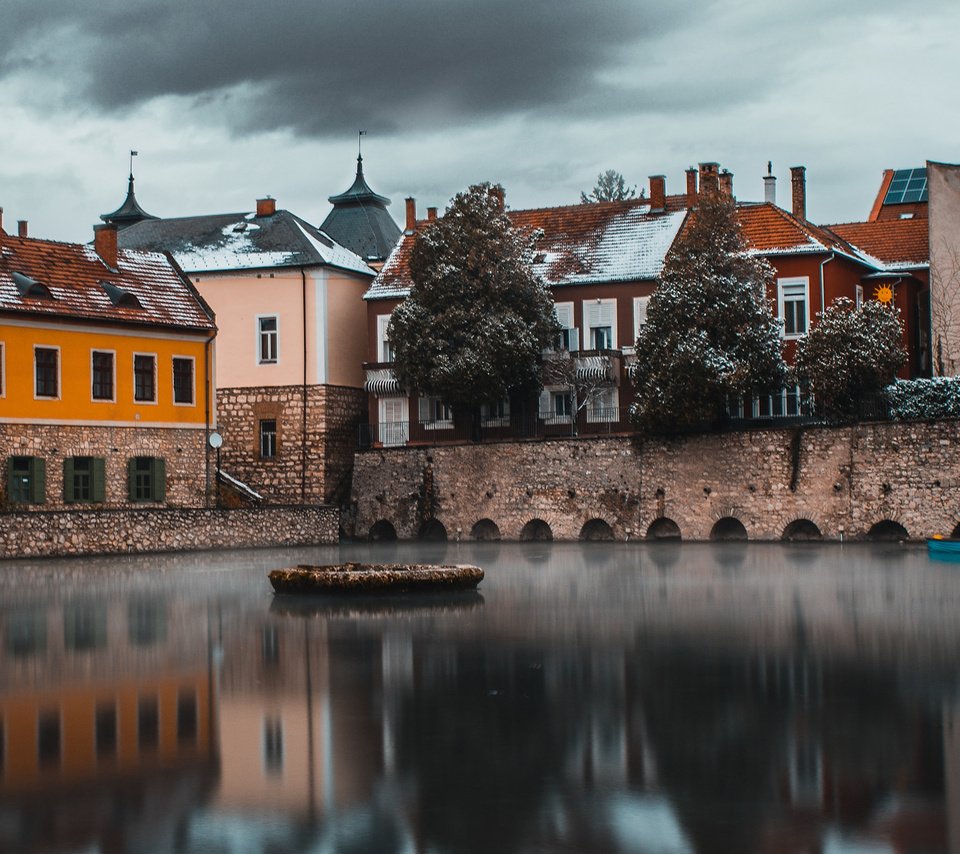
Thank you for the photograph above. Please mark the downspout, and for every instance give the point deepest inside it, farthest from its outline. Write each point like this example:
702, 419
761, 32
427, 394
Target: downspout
303, 424
206, 415
823, 263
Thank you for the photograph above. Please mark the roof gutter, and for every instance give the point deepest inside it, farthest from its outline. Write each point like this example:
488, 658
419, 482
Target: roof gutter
303, 395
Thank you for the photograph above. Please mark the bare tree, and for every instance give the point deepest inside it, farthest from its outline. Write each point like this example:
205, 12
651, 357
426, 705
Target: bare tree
588, 379
945, 308
610, 187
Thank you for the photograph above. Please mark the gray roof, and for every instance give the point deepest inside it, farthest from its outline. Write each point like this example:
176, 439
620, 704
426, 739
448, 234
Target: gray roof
360, 220
240, 241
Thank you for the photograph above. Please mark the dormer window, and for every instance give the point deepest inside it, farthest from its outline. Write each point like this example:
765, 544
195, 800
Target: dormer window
30, 287
120, 297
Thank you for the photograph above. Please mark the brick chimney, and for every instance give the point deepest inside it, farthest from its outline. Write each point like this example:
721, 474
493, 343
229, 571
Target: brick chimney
658, 192
709, 178
726, 184
431, 214
411, 223
22, 228
770, 185
798, 181
105, 243
691, 187
266, 207
497, 192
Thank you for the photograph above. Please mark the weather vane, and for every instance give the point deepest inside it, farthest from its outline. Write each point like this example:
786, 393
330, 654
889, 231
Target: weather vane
132, 155
360, 134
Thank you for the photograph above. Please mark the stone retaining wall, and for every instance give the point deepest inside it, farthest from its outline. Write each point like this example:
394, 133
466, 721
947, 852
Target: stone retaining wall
844, 480
87, 532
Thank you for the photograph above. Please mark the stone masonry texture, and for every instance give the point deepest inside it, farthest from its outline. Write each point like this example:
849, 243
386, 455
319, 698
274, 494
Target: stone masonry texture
845, 480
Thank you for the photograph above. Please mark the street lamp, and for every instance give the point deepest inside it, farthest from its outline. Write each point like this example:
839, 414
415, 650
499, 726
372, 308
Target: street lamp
216, 440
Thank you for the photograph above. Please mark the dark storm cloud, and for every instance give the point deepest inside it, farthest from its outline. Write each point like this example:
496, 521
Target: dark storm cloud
328, 65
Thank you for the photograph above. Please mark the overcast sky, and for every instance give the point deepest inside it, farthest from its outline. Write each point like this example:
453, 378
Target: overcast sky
230, 101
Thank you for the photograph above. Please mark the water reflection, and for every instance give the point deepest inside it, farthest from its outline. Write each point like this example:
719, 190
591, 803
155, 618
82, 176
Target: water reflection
590, 697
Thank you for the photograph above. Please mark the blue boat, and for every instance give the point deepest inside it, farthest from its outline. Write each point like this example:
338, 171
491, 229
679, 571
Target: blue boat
944, 548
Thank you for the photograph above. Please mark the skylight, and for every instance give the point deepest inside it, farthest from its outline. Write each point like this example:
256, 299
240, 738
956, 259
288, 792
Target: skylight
908, 185
30, 287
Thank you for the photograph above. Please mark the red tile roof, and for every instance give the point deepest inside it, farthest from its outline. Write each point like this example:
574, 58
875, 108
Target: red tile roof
895, 242
772, 230
75, 275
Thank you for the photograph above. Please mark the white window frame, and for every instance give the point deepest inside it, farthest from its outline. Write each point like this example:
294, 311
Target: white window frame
59, 394
258, 352
792, 286
564, 312
384, 349
605, 399
640, 305
591, 306
93, 351
156, 386
547, 408
431, 403
393, 431
193, 380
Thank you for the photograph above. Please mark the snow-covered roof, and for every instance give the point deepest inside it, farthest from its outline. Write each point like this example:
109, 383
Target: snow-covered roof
241, 241
581, 244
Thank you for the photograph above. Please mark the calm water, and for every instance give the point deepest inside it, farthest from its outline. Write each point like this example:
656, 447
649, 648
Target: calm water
589, 698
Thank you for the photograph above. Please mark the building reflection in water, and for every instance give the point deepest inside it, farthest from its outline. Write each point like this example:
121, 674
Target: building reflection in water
653, 705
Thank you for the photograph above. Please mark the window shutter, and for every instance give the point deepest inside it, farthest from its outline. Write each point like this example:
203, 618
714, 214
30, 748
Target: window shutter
546, 410
131, 479
564, 312
640, 312
158, 479
68, 480
424, 409
383, 321
38, 480
98, 490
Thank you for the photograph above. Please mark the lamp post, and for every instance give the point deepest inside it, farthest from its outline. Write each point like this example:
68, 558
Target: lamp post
216, 440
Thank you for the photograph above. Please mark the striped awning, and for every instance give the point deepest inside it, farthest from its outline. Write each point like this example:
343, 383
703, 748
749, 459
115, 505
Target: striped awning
594, 368
381, 382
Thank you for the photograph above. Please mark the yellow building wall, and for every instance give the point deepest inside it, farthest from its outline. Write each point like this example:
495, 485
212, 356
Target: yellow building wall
75, 403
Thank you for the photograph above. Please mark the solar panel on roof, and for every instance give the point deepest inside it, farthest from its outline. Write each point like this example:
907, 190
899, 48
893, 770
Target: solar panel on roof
907, 185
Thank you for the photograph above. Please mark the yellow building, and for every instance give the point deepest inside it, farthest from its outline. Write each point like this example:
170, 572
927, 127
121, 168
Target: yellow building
106, 376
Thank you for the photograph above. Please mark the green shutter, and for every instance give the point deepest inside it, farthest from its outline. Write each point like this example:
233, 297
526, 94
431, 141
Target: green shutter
68, 496
158, 479
132, 479
38, 480
98, 489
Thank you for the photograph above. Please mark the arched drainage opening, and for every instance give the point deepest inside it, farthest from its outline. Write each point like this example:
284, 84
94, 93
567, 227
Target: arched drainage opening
536, 531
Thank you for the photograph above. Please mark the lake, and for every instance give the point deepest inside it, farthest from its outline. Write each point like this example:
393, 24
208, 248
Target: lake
598, 697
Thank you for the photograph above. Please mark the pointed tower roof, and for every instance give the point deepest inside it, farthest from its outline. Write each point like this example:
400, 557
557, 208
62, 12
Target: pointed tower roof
129, 212
360, 220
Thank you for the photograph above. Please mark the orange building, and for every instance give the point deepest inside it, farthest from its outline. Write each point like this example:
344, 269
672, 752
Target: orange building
106, 376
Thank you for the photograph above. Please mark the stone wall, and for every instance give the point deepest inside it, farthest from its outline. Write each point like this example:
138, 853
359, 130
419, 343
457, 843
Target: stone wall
844, 480
314, 455
89, 532
189, 469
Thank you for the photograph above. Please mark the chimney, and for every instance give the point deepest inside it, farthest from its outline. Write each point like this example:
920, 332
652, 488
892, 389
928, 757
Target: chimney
770, 185
726, 184
431, 214
658, 192
411, 215
691, 187
798, 181
709, 178
21, 228
497, 192
266, 207
105, 243
1, 222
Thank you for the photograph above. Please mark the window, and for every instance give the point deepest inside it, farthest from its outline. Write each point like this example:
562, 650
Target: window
569, 337
47, 371
182, 380
146, 478
495, 414
26, 480
859, 295
604, 407
144, 378
600, 319
101, 372
393, 422
562, 404
273, 745
268, 438
435, 414
105, 730
148, 723
793, 301
268, 341
639, 313
84, 479
556, 406
384, 347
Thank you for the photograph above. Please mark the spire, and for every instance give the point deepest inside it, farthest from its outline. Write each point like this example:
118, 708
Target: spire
130, 211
